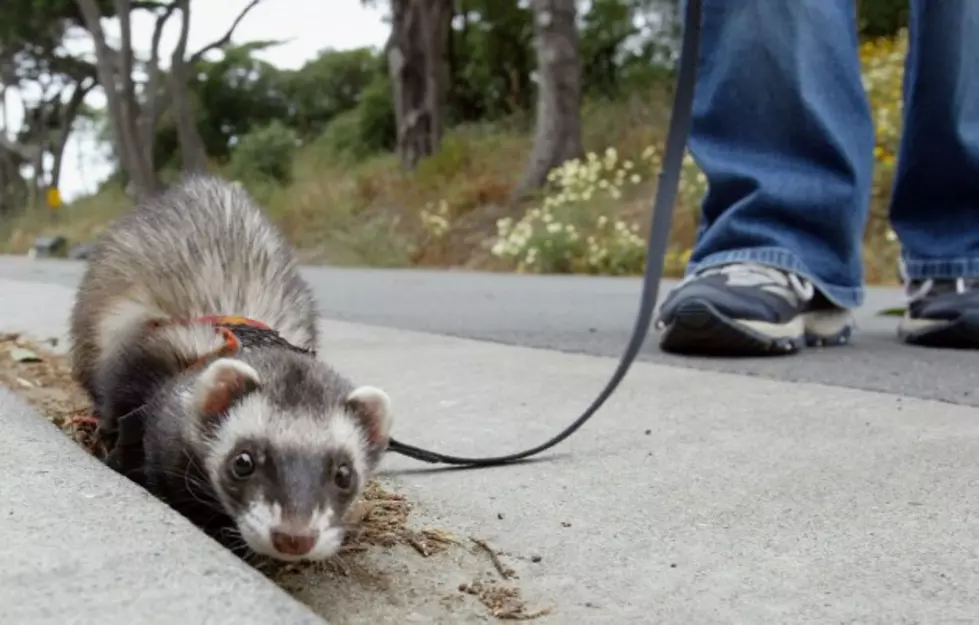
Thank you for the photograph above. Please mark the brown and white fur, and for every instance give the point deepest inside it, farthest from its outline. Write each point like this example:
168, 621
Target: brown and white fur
265, 449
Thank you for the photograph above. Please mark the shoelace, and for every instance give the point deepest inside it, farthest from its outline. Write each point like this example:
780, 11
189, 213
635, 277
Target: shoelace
751, 274
748, 274
962, 285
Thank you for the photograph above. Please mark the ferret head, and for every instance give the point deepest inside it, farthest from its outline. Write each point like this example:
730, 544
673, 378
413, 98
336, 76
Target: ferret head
287, 446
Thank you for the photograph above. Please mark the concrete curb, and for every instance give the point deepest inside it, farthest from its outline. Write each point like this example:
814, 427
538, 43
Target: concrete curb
80, 544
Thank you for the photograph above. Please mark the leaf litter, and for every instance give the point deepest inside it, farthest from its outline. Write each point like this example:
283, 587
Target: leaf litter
380, 519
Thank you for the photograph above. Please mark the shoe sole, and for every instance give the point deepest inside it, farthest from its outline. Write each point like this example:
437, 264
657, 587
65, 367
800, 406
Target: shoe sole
961, 333
699, 328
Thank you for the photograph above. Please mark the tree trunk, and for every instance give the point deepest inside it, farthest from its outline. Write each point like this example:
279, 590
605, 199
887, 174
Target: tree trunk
5, 156
34, 191
557, 137
5, 118
146, 181
418, 65
157, 94
437, 23
121, 99
30, 154
65, 125
5, 202
192, 152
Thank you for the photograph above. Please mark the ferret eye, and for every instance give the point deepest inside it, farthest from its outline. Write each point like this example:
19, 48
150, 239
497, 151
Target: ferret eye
243, 465
343, 477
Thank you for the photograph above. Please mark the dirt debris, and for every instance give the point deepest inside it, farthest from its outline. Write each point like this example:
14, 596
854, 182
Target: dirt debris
504, 571
503, 600
45, 382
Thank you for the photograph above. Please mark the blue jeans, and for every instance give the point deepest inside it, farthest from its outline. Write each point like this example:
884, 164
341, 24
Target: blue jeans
783, 132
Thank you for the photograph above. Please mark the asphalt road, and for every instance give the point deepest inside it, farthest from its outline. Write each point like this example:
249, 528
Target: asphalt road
595, 316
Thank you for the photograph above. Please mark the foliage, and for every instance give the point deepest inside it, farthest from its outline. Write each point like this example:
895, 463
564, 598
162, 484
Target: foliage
883, 74
240, 93
367, 129
376, 126
266, 153
491, 60
342, 137
623, 47
882, 18
883, 71
329, 85
235, 95
577, 228
35, 28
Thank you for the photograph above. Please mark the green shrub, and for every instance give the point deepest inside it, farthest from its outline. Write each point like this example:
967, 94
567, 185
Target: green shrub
570, 232
342, 136
367, 129
266, 152
375, 122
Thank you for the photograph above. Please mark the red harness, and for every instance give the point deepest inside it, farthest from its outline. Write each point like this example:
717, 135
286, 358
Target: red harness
223, 325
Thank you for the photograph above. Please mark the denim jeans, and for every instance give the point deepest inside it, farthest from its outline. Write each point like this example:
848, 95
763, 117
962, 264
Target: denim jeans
783, 132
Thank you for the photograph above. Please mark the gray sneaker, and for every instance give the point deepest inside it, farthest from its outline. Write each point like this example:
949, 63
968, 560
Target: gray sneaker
942, 313
746, 309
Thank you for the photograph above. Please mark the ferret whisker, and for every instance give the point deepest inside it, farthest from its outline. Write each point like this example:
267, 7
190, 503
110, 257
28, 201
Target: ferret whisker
230, 531
214, 511
192, 490
189, 480
132, 412
233, 538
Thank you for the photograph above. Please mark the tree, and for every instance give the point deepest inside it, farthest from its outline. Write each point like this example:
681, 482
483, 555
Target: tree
134, 122
330, 84
31, 55
115, 75
491, 58
192, 149
232, 96
46, 128
49, 124
557, 135
418, 66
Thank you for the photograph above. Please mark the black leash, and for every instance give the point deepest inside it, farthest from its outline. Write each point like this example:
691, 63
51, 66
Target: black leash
659, 231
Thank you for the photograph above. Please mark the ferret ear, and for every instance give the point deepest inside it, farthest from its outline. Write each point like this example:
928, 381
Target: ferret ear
222, 383
372, 407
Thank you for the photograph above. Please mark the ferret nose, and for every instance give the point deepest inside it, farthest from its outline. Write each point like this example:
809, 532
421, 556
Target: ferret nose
294, 544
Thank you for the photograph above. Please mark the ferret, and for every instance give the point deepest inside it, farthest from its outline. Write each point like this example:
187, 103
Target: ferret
194, 335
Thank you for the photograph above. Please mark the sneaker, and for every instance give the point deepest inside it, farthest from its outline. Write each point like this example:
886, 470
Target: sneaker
749, 310
942, 313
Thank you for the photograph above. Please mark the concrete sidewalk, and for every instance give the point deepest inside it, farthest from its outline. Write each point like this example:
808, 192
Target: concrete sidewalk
692, 497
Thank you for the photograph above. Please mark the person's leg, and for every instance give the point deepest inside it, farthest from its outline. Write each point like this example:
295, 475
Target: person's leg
935, 206
783, 132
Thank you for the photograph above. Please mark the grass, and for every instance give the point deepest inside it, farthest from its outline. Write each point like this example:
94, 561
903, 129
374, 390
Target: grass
454, 211
79, 222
